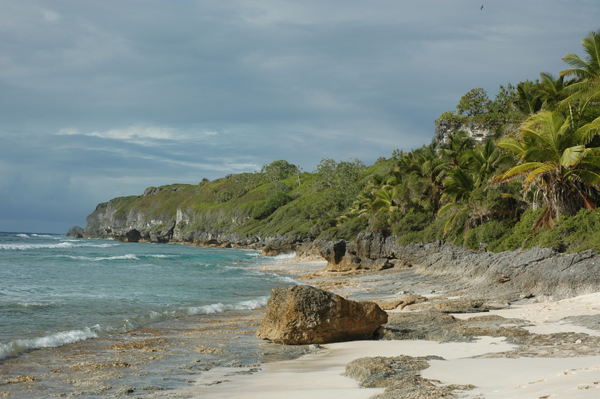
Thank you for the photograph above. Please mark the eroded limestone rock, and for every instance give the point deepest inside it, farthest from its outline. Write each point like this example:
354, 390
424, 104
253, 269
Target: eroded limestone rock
400, 376
307, 315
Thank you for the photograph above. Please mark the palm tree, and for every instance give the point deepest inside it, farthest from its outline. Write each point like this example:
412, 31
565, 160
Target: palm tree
528, 100
483, 161
385, 199
589, 69
555, 163
458, 186
586, 71
551, 90
455, 148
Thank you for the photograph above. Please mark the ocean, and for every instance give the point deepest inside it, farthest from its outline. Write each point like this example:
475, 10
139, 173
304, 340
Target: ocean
57, 290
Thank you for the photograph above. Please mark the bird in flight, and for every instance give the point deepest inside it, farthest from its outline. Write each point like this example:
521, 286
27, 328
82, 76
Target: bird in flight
481, 7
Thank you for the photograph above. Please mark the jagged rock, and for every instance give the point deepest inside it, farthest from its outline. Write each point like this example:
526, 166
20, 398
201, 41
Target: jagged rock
76, 232
380, 372
163, 235
348, 262
401, 302
308, 250
462, 306
151, 191
333, 252
131, 236
307, 315
444, 129
400, 376
280, 244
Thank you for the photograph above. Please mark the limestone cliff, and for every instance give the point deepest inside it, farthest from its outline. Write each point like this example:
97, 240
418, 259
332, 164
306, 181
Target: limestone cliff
194, 214
444, 129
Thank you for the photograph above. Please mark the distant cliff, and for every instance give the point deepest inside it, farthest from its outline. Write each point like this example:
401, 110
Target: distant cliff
248, 209
179, 212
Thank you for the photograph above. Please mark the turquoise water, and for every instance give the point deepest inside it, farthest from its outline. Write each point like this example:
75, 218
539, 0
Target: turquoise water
56, 290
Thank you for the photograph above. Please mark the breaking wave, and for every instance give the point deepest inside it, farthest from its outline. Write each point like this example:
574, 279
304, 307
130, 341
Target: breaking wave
96, 259
19, 346
62, 245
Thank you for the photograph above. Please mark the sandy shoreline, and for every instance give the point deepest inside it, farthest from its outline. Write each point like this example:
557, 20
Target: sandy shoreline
497, 368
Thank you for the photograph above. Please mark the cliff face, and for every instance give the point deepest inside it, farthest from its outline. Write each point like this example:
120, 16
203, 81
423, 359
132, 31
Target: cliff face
444, 129
107, 222
184, 213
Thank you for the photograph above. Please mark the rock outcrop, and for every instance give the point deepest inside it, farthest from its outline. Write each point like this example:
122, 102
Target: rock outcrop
370, 251
75, 232
282, 245
131, 236
307, 315
538, 271
401, 377
444, 129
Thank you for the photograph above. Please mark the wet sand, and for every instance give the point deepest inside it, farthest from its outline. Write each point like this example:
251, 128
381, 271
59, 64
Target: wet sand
159, 359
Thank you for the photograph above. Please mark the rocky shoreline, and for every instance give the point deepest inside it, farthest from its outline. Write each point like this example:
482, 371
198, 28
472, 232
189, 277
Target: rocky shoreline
509, 274
433, 293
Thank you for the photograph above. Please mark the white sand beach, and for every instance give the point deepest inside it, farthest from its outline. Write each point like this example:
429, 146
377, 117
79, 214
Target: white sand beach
480, 363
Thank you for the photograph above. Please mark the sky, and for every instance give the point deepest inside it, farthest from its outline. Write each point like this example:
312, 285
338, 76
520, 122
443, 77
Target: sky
100, 99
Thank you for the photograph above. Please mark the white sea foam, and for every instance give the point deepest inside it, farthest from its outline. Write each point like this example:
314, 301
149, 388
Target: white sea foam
288, 255
22, 235
220, 307
120, 257
161, 256
288, 280
62, 245
35, 304
15, 347
46, 236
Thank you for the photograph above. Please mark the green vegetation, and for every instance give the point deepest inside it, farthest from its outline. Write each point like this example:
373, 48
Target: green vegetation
534, 182
531, 187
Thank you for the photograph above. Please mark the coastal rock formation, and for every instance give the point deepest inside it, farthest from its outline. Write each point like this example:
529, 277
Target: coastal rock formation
539, 271
307, 315
401, 303
131, 236
401, 377
75, 232
163, 235
281, 245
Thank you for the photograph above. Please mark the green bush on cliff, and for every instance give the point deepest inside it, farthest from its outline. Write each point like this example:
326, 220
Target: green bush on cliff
277, 198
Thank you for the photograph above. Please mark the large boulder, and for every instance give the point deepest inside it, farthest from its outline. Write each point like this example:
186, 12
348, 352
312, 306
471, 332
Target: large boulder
307, 315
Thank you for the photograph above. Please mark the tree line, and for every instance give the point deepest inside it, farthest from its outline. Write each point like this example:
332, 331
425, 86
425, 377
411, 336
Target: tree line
543, 160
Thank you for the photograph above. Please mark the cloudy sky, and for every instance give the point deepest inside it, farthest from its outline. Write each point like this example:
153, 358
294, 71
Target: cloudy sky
100, 99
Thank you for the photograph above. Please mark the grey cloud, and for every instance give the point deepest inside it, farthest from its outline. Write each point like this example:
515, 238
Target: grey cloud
275, 79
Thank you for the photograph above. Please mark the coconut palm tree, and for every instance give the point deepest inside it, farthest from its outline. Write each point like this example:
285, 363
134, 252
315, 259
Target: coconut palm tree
528, 99
458, 186
551, 90
588, 69
555, 163
385, 199
483, 161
